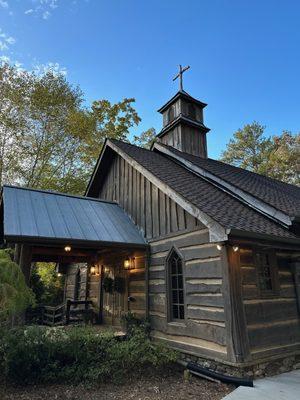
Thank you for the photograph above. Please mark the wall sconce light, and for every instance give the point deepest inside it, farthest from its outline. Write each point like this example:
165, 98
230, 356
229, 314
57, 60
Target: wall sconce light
68, 248
129, 263
94, 269
235, 248
219, 247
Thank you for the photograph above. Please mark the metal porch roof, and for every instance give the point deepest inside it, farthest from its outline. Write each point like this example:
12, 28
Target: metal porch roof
41, 216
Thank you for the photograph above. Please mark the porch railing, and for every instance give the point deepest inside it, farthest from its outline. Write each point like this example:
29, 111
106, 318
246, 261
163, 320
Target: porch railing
72, 311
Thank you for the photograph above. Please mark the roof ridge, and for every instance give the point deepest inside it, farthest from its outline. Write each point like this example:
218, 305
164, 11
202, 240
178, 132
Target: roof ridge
244, 170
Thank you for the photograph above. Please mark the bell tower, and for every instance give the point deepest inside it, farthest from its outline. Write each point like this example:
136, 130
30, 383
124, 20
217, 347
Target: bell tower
183, 126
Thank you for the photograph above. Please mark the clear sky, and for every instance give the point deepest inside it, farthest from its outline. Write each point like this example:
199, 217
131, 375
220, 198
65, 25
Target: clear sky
244, 55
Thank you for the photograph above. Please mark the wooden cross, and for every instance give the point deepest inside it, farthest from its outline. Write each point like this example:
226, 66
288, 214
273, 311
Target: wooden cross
179, 75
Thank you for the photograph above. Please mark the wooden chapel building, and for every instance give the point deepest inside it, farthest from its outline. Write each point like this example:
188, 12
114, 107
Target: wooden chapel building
210, 253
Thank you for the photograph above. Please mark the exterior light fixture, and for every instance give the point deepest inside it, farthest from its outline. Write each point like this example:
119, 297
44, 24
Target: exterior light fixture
68, 248
59, 274
94, 269
219, 247
235, 248
127, 263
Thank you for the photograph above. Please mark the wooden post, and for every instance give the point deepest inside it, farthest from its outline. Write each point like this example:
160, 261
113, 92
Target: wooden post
236, 328
17, 253
25, 262
101, 294
147, 264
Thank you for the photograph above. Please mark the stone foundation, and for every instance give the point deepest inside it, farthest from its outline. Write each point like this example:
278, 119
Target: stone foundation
254, 370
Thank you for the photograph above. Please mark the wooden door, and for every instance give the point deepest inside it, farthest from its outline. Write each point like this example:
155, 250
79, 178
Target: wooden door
115, 303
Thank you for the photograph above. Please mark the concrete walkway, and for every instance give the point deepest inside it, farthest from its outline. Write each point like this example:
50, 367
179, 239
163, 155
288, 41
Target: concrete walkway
279, 387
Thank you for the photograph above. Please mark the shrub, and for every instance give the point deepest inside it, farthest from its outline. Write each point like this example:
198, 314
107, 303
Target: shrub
133, 323
15, 296
77, 354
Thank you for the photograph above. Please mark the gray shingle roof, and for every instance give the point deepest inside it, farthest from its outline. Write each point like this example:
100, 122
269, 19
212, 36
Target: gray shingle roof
49, 215
219, 205
282, 196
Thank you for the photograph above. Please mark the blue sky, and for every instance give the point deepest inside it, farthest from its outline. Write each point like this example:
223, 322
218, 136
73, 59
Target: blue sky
244, 55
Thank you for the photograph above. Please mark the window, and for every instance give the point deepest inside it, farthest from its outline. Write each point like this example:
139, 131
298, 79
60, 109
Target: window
267, 272
171, 114
176, 292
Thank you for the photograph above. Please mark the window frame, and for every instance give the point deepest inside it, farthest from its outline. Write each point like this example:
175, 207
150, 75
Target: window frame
169, 298
271, 253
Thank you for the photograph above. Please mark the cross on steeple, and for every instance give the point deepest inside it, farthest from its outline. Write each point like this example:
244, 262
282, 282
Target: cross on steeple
179, 75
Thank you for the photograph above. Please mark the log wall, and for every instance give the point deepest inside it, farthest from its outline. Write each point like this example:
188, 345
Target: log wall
71, 278
165, 224
272, 322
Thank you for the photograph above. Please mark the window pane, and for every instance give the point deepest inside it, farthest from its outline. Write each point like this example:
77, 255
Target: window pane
174, 266
181, 297
180, 282
179, 267
181, 312
175, 312
175, 296
174, 282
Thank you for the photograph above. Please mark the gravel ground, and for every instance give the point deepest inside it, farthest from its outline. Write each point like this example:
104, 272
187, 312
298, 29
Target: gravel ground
166, 386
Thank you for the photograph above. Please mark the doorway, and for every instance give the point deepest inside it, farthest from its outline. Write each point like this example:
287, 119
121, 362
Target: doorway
115, 294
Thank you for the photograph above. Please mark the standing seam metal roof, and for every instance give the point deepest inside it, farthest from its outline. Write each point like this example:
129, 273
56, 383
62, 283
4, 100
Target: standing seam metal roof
36, 214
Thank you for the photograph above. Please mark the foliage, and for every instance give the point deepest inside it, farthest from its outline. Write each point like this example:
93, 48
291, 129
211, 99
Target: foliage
108, 284
47, 286
75, 354
276, 156
48, 138
146, 138
119, 284
133, 323
15, 296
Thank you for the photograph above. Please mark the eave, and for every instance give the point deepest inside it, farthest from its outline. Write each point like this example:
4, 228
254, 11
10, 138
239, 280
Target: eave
182, 120
183, 95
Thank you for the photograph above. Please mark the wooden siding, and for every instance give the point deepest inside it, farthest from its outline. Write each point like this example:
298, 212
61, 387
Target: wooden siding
137, 287
165, 224
272, 322
204, 303
71, 278
151, 210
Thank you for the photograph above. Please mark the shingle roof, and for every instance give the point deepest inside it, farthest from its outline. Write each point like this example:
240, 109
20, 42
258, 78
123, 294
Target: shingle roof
219, 205
41, 215
282, 196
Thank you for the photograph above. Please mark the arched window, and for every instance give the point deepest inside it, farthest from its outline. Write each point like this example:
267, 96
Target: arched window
171, 114
175, 286
77, 285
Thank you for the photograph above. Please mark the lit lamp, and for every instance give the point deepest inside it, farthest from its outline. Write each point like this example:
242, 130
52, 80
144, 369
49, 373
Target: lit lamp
235, 248
127, 263
94, 269
68, 248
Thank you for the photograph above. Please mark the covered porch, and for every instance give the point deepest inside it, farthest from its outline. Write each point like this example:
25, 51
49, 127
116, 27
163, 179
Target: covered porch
94, 243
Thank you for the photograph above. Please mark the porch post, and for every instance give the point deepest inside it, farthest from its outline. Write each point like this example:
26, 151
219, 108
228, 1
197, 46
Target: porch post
101, 294
147, 264
25, 261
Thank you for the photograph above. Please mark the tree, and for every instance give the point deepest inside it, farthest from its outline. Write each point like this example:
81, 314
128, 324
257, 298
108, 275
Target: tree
48, 138
275, 156
146, 139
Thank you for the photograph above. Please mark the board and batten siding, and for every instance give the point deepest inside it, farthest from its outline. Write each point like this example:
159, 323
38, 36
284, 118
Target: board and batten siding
165, 224
272, 322
150, 209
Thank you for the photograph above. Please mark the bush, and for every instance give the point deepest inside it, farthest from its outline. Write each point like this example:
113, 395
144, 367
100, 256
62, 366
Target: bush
15, 296
133, 323
77, 354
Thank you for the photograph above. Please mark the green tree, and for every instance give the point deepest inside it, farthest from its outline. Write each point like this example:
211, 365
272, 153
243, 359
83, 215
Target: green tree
15, 296
46, 284
48, 138
146, 138
275, 156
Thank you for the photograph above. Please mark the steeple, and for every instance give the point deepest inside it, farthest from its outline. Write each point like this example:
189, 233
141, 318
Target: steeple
183, 126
